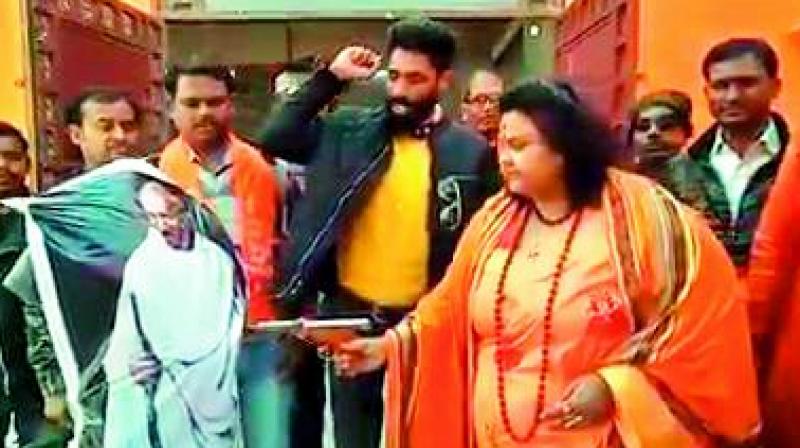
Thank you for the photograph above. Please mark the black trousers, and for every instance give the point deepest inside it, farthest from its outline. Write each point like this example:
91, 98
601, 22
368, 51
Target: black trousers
306, 414
24, 398
357, 403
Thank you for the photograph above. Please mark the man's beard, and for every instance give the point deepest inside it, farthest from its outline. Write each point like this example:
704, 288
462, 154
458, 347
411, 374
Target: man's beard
412, 116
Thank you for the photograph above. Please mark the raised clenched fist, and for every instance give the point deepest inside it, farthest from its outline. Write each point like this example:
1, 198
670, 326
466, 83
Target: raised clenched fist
353, 63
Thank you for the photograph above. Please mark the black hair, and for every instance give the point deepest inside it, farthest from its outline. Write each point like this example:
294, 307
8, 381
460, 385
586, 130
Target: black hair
738, 47
431, 38
586, 143
9, 130
220, 73
73, 113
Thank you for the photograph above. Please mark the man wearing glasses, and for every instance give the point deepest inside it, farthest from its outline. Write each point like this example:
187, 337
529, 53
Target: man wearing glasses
480, 105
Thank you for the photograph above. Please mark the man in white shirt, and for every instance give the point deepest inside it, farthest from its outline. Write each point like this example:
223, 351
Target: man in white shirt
735, 169
734, 163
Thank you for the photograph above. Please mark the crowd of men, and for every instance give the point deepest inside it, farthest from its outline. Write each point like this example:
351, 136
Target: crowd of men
388, 191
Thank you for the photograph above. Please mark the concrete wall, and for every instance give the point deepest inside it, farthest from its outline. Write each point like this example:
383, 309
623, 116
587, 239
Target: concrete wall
528, 55
538, 56
510, 63
269, 42
336, 6
280, 41
226, 43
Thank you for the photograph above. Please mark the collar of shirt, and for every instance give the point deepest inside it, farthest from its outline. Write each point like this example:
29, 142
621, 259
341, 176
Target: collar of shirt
227, 161
736, 171
425, 129
436, 116
769, 142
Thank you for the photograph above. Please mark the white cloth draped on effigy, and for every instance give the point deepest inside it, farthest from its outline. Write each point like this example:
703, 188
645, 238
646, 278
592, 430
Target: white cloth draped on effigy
134, 302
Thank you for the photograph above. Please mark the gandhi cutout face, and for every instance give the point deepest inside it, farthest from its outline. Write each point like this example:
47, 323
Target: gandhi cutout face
167, 212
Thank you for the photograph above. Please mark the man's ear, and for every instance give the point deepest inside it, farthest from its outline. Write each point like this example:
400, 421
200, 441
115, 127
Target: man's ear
75, 134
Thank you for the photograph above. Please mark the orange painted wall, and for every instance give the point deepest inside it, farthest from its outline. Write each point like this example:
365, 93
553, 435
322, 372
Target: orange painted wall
13, 97
674, 36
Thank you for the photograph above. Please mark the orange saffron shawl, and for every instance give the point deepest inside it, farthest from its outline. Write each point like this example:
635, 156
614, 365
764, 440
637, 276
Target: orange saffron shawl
684, 379
774, 304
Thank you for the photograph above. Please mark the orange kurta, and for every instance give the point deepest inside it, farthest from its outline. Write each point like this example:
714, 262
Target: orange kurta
774, 304
673, 379
591, 322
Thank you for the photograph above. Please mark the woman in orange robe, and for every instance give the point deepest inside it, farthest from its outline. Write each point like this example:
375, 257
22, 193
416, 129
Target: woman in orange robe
774, 305
584, 307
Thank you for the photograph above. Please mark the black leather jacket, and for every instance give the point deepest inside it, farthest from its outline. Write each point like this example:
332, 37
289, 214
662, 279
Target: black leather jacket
345, 153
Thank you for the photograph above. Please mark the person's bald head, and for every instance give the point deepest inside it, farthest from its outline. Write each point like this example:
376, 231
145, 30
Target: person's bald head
166, 212
483, 79
479, 107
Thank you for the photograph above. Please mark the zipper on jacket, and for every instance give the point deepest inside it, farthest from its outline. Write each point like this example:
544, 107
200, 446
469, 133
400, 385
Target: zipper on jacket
295, 283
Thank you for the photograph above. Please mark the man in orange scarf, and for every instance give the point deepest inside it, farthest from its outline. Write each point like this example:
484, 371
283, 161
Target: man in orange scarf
775, 305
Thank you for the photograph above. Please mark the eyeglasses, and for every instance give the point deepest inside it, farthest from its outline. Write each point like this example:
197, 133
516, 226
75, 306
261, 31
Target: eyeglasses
483, 100
662, 124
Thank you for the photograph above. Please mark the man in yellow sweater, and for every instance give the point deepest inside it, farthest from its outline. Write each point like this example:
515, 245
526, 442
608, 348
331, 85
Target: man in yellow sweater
389, 191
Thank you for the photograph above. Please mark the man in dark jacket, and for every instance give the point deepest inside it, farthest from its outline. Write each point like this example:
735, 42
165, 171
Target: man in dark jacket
104, 123
19, 391
734, 164
14, 162
480, 106
389, 192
